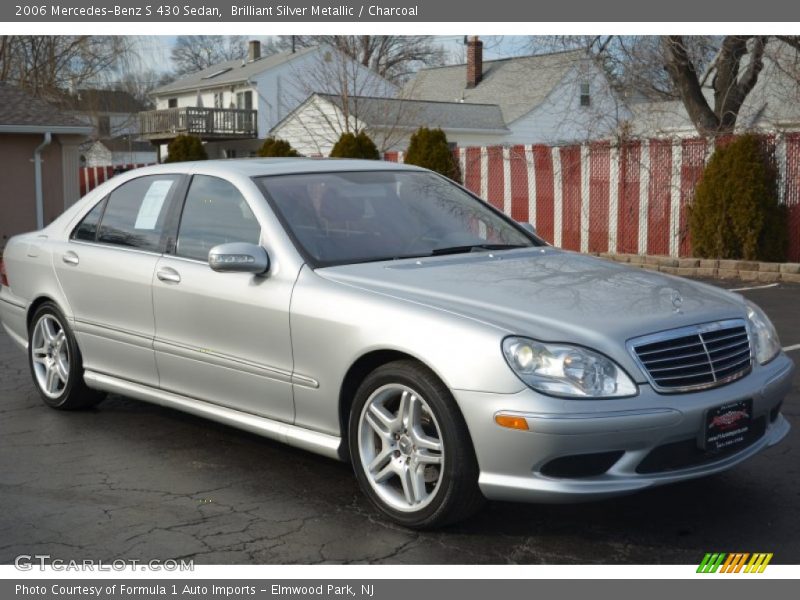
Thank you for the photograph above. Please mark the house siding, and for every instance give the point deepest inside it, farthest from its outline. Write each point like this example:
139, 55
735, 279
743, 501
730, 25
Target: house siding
315, 127
560, 119
18, 201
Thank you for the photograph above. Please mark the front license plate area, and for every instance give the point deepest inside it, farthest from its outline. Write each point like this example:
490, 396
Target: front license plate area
727, 427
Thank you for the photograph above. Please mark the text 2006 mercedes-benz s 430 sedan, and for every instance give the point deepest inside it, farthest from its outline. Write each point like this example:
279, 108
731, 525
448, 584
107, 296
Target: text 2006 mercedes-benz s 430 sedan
381, 314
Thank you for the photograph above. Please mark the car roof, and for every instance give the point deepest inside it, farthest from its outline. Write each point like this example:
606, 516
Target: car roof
254, 167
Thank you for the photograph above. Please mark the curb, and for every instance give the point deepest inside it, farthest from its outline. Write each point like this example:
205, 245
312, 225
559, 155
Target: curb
764, 272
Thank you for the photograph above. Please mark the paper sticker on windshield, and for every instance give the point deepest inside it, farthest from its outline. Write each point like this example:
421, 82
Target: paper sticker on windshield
152, 204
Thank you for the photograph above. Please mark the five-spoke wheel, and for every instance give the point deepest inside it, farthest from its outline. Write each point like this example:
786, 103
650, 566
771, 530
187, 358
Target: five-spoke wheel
55, 361
50, 356
401, 444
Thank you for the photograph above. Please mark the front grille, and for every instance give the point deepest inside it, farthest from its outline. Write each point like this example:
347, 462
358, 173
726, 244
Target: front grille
695, 357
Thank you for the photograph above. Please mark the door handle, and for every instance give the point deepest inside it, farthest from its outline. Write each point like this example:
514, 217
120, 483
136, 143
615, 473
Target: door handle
70, 258
168, 275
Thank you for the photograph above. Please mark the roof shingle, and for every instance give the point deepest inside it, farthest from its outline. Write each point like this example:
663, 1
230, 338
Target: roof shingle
399, 112
18, 107
232, 71
517, 85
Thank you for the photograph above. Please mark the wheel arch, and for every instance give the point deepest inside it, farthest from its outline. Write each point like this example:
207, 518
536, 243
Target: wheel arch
34, 306
358, 371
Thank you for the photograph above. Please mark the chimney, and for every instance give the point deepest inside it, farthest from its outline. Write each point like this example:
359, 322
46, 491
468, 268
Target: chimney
474, 61
253, 50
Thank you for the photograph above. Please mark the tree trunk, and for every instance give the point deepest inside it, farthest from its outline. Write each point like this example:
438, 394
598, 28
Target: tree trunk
730, 88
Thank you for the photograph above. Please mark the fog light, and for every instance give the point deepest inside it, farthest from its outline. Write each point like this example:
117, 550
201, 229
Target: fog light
511, 422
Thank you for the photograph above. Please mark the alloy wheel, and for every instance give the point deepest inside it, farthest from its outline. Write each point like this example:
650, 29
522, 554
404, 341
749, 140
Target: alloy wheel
401, 447
50, 356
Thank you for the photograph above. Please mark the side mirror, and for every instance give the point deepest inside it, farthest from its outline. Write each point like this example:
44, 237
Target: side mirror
239, 257
527, 226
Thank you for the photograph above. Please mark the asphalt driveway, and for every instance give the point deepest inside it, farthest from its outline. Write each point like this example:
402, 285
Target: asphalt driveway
133, 480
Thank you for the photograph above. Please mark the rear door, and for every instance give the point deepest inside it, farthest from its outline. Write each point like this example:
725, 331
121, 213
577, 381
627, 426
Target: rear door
222, 337
106, 270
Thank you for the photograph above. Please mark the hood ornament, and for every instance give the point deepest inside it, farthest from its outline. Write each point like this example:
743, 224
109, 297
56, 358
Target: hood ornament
677, 300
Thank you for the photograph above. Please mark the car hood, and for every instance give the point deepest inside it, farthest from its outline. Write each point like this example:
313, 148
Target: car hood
548, 294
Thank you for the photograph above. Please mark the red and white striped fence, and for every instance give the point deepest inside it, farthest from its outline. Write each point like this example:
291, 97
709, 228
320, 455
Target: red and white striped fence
91, 177
600, 197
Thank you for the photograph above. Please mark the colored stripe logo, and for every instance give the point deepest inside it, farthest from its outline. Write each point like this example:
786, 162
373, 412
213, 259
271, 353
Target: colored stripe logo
735, 562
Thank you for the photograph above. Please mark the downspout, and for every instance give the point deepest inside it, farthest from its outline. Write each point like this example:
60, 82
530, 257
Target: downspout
37, 175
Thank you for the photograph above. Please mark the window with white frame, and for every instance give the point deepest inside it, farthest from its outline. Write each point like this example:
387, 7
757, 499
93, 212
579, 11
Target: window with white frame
244, 100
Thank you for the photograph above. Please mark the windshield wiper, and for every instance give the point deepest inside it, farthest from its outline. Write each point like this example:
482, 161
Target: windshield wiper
474, 248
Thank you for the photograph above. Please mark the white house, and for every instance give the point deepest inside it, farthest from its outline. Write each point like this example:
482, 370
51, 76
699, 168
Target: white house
556, 98
315, 126
233, 105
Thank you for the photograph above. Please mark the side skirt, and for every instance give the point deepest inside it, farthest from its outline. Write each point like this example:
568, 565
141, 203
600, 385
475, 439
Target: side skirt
320, 443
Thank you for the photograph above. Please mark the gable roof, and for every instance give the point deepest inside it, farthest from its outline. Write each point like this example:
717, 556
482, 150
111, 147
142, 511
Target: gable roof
517, 85
231, 71
23, 113
405, 113
103, 101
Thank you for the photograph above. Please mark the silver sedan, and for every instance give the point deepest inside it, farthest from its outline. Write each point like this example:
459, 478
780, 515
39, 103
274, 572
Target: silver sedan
381, 314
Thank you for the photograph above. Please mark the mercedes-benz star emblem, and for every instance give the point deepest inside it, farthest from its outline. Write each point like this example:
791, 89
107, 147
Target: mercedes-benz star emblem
677, 300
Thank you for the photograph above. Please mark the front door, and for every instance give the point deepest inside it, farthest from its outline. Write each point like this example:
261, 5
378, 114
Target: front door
222, 337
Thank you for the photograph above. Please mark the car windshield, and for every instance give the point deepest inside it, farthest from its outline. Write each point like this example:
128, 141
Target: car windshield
348, 217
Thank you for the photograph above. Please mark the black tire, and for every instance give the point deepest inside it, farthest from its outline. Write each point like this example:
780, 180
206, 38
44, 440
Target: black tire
457, 495
74, 395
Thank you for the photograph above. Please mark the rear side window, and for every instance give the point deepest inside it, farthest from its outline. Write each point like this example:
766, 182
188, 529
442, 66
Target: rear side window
136, 212
87, 228
215, 212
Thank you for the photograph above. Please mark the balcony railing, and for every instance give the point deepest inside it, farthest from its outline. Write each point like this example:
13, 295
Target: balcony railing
206, 123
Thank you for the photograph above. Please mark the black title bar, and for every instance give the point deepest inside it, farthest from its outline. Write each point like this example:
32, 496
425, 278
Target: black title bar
478, 11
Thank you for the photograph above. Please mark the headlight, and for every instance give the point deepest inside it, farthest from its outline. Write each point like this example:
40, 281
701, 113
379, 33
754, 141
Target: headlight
765, 338
566, 371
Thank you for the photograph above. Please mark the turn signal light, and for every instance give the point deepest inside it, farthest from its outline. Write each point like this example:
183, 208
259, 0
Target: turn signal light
511, 422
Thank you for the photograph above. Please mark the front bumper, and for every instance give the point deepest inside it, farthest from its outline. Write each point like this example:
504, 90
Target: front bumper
512, 462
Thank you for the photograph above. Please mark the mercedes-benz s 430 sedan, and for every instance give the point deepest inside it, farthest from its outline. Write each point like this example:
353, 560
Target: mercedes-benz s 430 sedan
381, 314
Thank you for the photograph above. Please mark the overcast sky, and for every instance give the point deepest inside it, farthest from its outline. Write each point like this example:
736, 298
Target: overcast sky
154, 51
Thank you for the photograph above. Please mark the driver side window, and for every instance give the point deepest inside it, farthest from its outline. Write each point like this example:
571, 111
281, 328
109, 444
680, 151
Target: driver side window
214, 213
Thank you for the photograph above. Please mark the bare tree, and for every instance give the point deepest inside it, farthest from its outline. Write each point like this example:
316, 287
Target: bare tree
340, 95
738, 63
192, 53
712, 76
394, 57
634, 64
48, 65
140, 82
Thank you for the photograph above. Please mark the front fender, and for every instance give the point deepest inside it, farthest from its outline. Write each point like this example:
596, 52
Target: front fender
334, 324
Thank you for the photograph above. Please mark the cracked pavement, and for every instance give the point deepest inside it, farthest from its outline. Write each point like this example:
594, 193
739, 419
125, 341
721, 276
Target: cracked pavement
129, 480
